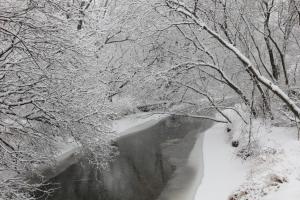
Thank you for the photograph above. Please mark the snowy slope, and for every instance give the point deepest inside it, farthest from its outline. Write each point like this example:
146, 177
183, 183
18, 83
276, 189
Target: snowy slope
223, 171
271, 173
136, 122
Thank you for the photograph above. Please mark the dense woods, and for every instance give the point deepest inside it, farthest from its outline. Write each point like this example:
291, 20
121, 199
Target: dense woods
68, 67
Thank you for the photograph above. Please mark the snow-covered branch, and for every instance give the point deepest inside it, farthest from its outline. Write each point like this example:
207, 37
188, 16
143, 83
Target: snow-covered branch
182, 8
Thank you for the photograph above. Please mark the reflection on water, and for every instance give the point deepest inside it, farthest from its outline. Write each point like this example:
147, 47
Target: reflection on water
146, 162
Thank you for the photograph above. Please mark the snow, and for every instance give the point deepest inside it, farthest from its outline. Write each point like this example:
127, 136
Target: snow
135, 122
223, 171
289, 191
66, 149
271, 173
275, 169
66, 155
286, 162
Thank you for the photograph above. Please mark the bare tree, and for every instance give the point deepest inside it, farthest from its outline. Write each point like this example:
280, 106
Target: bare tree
48, 89
249, 66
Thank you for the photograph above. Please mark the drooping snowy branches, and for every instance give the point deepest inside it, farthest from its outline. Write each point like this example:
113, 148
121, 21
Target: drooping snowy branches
249, 66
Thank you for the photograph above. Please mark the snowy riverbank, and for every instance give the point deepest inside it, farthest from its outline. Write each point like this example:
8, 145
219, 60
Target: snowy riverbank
272, 172
223, 171
135, 122
68, 152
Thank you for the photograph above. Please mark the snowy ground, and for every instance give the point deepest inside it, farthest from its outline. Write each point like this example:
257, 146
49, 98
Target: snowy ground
223, 171
271, 173
136, 122
275, 172
66, 148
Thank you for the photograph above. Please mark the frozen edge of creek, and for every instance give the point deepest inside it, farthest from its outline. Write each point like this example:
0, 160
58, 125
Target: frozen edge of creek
213, 169
223, 172
193, 169
136, 122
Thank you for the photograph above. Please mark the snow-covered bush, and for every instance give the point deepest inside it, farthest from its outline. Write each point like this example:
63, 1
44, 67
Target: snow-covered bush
237, 128
125, 105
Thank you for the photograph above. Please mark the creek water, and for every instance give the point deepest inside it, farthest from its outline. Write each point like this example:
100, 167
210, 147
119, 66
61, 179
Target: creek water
147, 161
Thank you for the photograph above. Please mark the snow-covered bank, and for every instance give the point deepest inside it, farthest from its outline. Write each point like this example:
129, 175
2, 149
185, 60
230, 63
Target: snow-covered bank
289, 191
223, 171
269, 170
275, 170
66, 149
135, 122
68, 152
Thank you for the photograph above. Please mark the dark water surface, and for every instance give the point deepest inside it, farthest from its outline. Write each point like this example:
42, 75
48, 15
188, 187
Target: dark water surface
147, 160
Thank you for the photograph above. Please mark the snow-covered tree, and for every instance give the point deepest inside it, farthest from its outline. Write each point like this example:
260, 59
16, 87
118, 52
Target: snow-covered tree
51, 87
